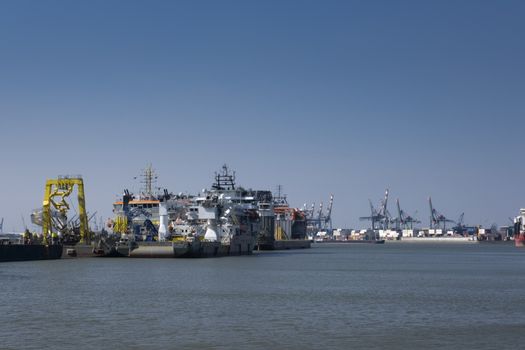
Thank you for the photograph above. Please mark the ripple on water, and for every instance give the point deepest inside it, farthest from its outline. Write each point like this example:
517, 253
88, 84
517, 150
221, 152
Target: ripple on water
395, 296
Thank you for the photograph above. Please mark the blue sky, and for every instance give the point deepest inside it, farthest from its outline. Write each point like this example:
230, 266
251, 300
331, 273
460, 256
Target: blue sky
344, 97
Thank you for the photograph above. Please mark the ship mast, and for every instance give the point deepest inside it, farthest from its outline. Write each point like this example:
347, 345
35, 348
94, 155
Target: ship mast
280, 198
148, 178
224, 180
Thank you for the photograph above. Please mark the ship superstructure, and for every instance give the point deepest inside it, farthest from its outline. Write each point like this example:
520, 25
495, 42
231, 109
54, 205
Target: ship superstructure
519, 229
222, 220
290, 223
224, 214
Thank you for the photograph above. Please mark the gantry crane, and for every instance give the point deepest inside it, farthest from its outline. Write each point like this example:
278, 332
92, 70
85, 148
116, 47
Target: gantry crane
404, 221
436, 218
380, 216
56, 192
328, 216
460, 227
320, 221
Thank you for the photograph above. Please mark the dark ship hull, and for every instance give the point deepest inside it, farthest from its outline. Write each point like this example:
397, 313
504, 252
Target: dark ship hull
24, 252
285, 244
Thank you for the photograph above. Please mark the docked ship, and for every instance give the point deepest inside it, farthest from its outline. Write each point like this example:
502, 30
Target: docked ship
519, 229
223, 220
16, 248
284, 228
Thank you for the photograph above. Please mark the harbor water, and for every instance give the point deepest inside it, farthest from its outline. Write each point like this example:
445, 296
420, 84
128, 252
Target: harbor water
333, 296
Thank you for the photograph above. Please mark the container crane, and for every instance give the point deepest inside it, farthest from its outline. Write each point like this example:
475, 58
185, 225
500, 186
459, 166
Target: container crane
328, 217
320, 221
379, 216
436, 218
374, 216
404, 221
460, 227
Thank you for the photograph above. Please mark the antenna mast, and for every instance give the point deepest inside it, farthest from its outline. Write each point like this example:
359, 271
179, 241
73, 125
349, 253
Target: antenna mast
149, 177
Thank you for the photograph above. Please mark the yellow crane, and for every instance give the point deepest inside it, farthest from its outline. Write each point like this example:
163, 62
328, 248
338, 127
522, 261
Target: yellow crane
56, 192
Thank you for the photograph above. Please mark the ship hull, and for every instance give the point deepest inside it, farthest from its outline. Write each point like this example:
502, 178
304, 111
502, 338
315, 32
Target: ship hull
285, 244
152, 250
519, 240
202, 249
205, 250
25, 252
183, 249
78, 251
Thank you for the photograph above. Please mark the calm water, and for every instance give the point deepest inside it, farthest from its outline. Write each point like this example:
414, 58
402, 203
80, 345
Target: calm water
395, 296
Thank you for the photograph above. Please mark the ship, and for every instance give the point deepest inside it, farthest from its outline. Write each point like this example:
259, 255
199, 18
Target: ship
519, 231
284, 227
14, 248
220, 221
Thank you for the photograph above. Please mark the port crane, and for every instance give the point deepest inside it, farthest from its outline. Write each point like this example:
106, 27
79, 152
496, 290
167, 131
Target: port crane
320, 214
328, 217
374, 216
380, 216
436, 218
55, 208
460, 227
320, 221
309, 213
2, 225
404, 221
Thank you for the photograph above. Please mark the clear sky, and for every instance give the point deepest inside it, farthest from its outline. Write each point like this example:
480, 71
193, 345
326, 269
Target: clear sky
426, 98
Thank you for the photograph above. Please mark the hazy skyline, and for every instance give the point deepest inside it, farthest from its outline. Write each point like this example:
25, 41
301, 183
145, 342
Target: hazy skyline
425, 98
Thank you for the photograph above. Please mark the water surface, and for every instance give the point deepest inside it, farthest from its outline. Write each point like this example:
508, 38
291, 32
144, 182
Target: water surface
333, 296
